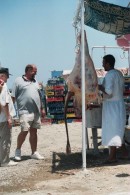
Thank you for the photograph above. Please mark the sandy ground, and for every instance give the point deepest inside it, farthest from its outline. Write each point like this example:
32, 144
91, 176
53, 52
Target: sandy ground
61, 174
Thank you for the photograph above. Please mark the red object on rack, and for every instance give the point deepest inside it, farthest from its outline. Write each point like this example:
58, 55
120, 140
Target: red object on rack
58, 87
58, 99
124, 41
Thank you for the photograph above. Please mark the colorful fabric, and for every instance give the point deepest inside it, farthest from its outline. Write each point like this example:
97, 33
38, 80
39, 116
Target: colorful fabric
106, 17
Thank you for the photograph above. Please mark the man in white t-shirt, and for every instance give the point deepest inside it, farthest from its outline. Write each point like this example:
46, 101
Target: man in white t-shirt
7, 111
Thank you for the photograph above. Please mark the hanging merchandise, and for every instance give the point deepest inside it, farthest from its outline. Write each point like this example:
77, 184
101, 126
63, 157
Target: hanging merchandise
127, 100
56, 90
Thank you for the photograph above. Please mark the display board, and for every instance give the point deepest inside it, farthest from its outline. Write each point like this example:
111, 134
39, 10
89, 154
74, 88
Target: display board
56, 90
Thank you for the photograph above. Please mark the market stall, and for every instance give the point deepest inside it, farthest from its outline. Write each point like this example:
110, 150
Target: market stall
100, 16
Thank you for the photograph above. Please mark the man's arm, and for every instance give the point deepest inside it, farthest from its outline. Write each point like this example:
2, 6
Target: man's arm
105, 95
9, 118
43, 112
101, 88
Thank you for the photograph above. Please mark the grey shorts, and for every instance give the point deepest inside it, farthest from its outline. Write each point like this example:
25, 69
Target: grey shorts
28, 121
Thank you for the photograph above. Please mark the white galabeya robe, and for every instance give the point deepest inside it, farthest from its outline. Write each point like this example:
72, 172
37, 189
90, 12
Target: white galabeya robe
113, 113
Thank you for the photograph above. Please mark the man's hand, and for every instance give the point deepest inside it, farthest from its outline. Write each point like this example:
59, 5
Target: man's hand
100, 87
43, 113
1, 84
9, 120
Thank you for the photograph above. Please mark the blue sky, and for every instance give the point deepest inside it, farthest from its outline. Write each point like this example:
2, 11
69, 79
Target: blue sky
41, 32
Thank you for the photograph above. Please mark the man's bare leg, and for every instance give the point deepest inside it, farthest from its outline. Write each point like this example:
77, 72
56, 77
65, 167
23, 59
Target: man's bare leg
21, 138
112, 153
33, 139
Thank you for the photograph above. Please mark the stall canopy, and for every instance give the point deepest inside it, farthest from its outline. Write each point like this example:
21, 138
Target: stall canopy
106, 17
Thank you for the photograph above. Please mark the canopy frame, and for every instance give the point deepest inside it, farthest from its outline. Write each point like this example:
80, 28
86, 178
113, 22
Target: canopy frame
79, 17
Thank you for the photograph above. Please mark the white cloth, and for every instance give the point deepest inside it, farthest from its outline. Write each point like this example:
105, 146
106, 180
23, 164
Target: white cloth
94, 118
5, 98
113, 112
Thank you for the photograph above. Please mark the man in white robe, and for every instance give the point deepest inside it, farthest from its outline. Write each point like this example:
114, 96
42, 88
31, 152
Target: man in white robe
113, 111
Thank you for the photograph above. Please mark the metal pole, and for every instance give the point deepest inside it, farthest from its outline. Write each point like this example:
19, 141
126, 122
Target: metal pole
83, 90
77, 15
113, 47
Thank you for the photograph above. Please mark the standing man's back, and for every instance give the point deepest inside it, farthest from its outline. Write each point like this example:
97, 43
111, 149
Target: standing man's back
113, 111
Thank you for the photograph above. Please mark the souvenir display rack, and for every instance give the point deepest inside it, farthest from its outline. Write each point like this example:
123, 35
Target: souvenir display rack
56, 90
55, 94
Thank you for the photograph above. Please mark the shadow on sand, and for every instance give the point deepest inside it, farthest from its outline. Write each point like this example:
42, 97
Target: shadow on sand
62, 162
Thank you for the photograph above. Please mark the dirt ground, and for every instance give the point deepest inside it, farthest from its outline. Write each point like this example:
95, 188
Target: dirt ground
62, 174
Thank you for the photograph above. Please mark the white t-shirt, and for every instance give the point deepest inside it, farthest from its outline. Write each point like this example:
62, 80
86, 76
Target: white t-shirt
5, 98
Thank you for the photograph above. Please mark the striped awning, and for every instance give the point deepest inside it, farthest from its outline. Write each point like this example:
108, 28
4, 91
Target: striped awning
106, 17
